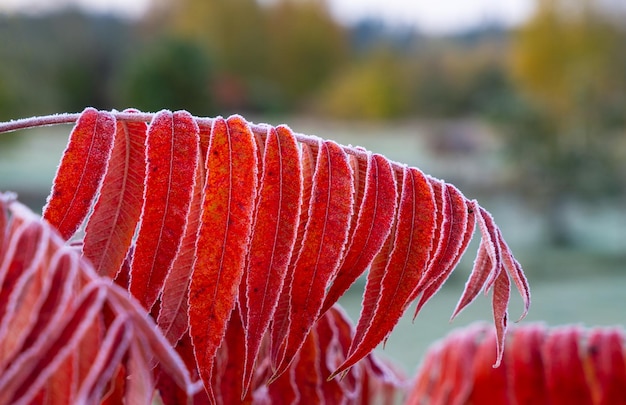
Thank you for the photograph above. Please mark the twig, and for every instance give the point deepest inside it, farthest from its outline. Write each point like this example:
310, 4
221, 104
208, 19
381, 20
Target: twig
260, 129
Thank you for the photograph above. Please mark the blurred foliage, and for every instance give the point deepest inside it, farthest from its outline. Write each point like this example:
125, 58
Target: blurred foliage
60, 62
556, 86
172, 74
565, 116
267, 57
571, 59
373, 88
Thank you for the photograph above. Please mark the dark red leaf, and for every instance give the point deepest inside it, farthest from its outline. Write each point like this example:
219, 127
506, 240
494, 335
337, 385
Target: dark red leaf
489, 233
477, 279
516, 273
564, 369
172, 155
489, 384
605, 350
413, 241
283, 390
24, 378
80, 172
280, 323
500, 303
173, 318
332, 355
231, 373
227, 208
323, 243
28, 293
104, 365
112, 224
523, 356
456, 234
273, 236
308, 376
375, 219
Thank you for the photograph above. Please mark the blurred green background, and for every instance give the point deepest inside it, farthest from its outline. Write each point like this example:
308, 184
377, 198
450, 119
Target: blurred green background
530, 118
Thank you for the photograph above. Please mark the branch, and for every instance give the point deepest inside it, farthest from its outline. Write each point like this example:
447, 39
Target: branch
66, 118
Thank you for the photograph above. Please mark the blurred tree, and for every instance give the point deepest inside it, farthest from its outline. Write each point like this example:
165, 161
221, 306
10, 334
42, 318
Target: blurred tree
60, 62
569, 64
266, 57
306, 46
172, 73
373, 88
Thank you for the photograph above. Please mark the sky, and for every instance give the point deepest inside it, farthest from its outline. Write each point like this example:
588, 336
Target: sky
429, 16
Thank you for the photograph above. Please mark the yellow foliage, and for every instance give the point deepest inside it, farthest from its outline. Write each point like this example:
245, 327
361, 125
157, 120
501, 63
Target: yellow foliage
565, 57
373, 89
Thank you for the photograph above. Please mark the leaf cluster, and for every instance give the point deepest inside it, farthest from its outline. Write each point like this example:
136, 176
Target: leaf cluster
239, 239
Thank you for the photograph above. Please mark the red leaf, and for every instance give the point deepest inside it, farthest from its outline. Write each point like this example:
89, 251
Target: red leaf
283, 390
564, 369
477, 279
139, 383
63, 273
231, 373
413, 241
489, 232
456, 233
25, 251
5, 199
23, 379
273, 236
170, 392
516, 273
458, 366
104, 365
172, 155
280, 323
489, 384
526, 366
23, 302
323, 243
81, 170
334, 332
500, 303
174, 310
224, 233
307, 374
375, 219
606, 353
112, 224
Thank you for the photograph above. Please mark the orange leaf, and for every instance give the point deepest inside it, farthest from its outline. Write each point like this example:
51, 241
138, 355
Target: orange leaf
375, 219
172, 155
81, 170
273, 236
323, 243
227, 208
112, 224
